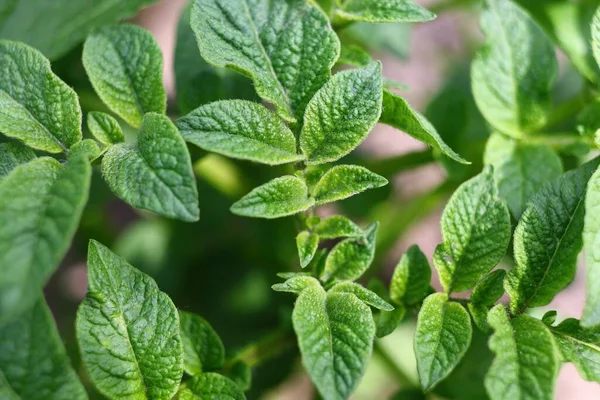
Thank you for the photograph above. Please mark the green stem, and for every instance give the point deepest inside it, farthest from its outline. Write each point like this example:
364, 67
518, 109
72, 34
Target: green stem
394, 369
269, 347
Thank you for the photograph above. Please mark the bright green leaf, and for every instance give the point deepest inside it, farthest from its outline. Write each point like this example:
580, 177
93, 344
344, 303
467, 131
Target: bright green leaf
33, 360
548, 240
335, 335
13, 154
87, 148
591, 239
442, 338
203, 349
154, 174
383, 11
341, 114
125, 66
350, 258
128, 331
549, 317
512, 74
479, 314
241, 374
343, 181
365, 295
410, 281
240, 129
581, 346
280, 197
307, 244
353, 54
105, 128
296, 284
287, 48
476, 230
387, 321
36, 107
399, 114
40, 206
489, 289
595, 33
526, 364
337, 226
211, 386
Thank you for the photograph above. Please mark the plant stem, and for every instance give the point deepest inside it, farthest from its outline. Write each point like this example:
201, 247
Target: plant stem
401, 377
264, 349
567, 110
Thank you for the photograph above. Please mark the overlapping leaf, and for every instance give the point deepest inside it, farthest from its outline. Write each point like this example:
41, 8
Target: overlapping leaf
13, 154
203, 349
591, 238
337, 226
105, 128
343, 181
383, 11
307, 244
410, 281
350, 258
580, 346
211, 386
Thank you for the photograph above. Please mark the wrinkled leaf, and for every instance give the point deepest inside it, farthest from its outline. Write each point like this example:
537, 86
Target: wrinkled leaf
307, 244
591, 239
383, 11
581, 346
105, 128
487, 291
337, 226
87, 148
296, 284
353, 54
386, 322
410, 281
363, 294
13, 154
343, 181
211, 386
203, 349
350, 258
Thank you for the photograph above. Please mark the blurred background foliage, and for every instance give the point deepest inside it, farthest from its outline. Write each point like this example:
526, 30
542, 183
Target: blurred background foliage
222, 267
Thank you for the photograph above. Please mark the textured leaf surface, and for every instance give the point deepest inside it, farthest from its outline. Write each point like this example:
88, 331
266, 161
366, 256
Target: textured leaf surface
410, 281
296, 284
399, 114
154, 174
520, 169
12, 155
353, 54
581, 346
442, 338
350, 258
387, 321
595, 27
383, 11
87, 148
487, 291
55, 27
36, 107
40, 206
280, 197
307, 244
512, 74
211, 386
343, 181
286, 47
124, 64
341, 114
363, 294
335, 334
203, 349
476, 230
240, 129
105, 128
526, 364
591, 239
337, 226
33, 360
128, 331
548, 240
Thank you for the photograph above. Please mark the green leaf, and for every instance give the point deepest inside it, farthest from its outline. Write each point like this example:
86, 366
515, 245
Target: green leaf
595, 33
394, 39
335, 335
154, 174
128, 331
479, 314
125, 66
442, 338
280, 197
287, 48
341, 114
548, 240
203, 349
57, 26
343, 181
399, 114
40, 206
526, 364
353, 54
512, 74
365, 295
350, 258
591, 239
36, 107
409, 394
549, 317
579, 345
487, 291
211, 386
337, 226
296, 284
307, 244
241, 374
33, 359
520, 169
476, 230
87, 148
410, 281
387, 321
105, 128
383, 11
240, 129
13, 154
